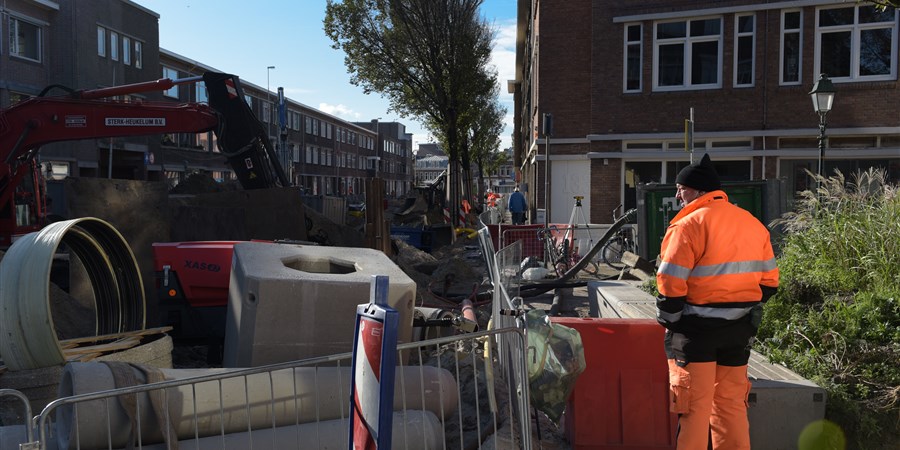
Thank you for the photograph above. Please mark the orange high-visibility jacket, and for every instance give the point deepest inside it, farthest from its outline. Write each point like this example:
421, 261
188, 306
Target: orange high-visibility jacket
715, 254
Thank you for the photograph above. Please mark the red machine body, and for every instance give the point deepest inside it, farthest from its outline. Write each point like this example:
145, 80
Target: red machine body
196, 272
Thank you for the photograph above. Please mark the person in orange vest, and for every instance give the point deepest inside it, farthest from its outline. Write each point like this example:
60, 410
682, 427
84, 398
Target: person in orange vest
716, 270
492, 198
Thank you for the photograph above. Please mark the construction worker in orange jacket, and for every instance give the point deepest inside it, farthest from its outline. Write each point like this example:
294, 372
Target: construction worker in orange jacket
716, 270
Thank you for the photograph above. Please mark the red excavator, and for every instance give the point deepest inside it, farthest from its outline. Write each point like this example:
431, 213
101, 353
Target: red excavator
92, 114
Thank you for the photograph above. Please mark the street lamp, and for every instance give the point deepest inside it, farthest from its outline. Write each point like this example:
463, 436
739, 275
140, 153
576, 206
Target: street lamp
269, 99
822, 95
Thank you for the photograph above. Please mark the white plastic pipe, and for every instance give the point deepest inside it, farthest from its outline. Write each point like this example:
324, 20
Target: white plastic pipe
264, 400
411, 430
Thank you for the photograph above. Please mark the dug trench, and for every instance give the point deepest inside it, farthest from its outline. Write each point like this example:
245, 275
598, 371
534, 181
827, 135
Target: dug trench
200, 210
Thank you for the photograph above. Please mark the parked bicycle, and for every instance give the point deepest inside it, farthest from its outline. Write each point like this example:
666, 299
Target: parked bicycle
556, 250
622, 242
560, 251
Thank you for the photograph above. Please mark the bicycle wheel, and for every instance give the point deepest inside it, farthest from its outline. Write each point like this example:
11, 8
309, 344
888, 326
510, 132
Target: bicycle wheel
612, 253
560, 257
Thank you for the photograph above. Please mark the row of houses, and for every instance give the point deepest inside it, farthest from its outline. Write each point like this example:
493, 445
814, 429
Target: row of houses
89, 45
619, 79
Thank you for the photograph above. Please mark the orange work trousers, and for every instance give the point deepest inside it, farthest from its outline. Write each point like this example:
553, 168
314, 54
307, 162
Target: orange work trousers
711, 403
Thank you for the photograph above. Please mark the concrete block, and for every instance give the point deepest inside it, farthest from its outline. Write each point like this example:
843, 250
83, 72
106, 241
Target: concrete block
782, 404
291, 302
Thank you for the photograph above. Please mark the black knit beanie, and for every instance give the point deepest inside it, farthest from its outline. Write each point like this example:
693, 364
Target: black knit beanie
701, 176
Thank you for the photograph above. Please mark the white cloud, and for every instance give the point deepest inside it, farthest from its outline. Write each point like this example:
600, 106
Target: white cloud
340, 111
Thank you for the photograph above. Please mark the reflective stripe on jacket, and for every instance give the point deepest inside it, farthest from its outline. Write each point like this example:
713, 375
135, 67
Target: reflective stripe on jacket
714, 261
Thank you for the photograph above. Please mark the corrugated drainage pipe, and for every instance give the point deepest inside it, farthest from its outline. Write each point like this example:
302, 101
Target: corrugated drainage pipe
27, 335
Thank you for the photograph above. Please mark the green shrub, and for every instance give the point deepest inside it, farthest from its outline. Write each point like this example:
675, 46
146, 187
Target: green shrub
836, 317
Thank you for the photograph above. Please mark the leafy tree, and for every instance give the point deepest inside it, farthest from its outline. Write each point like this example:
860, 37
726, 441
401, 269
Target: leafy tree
882, 4
485, 140
428, 58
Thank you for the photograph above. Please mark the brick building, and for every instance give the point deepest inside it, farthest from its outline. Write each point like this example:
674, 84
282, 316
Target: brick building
621, 78
96, 44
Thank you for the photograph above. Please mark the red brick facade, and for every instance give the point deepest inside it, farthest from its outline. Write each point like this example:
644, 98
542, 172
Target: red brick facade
571, 60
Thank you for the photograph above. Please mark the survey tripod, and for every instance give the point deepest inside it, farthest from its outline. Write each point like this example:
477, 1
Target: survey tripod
559, 248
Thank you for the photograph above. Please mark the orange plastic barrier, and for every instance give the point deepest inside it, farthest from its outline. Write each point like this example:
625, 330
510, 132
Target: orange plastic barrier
620, 401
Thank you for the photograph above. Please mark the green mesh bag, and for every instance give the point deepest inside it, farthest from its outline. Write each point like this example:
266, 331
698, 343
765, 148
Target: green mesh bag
555, 357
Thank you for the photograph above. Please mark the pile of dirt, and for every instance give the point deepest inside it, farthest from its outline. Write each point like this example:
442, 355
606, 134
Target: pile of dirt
201, 183
447, 275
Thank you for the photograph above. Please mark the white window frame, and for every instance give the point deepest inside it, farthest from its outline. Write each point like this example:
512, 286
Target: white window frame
138, 54
687, 42
737, 37
785, 32
172, 74
855, 29
113, 46
13, 30
101, 41
266, 108
202, 95
126, 50
640, 49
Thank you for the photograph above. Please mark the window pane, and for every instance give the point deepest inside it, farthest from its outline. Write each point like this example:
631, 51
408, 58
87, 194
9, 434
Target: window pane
791, 63
171, 74
868, 14
671, 65
633, 79
792, 20
634, 33
114, 46
733, 170
835, 54
745, 60
27, 40
835, 16
705, 63
709, 27
875, 52
138, 57
745, 24
101, 41
202, 96
670, 30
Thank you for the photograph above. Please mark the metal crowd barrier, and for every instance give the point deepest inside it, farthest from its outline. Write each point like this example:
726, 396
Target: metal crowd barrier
490, 402
506, 309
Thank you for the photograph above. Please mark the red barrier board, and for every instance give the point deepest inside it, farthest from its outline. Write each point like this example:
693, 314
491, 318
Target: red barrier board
621, 400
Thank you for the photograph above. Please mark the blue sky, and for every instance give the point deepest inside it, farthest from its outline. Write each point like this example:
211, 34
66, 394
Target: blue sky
244, 38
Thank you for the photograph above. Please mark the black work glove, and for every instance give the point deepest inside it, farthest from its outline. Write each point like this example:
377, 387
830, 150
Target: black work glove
756, 315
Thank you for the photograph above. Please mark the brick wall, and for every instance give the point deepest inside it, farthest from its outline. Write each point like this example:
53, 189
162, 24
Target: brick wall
581, 73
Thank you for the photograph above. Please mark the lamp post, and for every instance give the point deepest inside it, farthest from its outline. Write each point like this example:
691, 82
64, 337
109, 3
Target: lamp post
269, 99
822, 95
547, 128
377, 146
